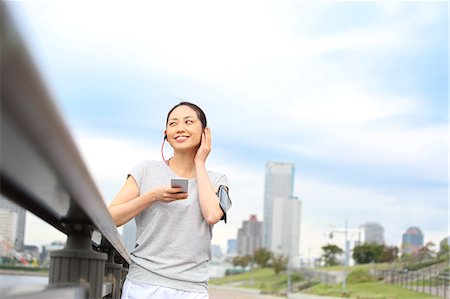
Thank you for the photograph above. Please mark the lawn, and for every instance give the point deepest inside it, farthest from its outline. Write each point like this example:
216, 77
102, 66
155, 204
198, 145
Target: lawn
266, 281
378, 266
263, 279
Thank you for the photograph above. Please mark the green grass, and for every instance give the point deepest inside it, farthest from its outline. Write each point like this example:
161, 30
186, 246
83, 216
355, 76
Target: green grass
260, 275
23, 268
369, 290
383, 266
264, 279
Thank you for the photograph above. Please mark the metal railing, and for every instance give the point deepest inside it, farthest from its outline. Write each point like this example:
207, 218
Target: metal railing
42, 171
432, 280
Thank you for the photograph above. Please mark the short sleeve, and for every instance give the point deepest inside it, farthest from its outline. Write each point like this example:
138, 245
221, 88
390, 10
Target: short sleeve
138, 173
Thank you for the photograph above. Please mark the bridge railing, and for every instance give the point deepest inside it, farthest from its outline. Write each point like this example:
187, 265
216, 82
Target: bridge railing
43, 171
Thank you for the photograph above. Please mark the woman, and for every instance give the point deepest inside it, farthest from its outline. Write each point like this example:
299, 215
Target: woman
174, 228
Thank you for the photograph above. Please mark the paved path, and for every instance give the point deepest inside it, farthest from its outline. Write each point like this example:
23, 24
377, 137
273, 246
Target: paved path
219, 292
222, 292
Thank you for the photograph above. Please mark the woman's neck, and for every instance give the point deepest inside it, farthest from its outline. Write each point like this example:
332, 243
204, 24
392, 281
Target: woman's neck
183, 165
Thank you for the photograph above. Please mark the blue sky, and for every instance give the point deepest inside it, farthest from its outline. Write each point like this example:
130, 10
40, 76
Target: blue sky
354, 93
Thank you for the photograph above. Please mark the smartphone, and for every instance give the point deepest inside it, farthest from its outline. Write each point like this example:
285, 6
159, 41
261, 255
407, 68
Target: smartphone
180, 183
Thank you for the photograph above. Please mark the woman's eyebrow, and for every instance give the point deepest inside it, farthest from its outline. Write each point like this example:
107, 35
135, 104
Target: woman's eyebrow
186, 117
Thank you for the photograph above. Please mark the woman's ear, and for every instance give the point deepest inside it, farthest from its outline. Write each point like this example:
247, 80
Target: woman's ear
165, 135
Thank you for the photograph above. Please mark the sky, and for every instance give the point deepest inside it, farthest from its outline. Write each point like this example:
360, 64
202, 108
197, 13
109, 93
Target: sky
354, 93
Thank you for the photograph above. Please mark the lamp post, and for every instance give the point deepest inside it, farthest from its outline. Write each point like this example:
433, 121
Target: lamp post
345, 231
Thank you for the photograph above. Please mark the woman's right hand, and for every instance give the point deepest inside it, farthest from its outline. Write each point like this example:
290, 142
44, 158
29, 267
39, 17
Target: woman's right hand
128, 203
169, 194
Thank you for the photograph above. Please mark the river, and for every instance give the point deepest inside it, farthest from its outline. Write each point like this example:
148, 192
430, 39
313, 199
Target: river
9, 281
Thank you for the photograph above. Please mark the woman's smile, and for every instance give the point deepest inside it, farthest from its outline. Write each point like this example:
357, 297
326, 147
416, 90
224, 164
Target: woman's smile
181, 138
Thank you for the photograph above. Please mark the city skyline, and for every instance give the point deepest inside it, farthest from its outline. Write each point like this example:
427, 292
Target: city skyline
354, 93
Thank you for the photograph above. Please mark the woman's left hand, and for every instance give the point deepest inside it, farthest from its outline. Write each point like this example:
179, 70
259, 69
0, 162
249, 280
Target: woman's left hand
205, 147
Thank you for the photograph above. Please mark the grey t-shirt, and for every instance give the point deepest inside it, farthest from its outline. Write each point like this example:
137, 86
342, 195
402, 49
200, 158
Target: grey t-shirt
173, 240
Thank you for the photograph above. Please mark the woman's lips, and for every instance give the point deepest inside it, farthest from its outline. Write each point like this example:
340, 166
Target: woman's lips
181, 138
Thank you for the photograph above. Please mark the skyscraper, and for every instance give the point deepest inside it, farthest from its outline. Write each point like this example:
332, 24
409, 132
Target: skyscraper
373, 233
412, 241
249, 236
285, 233
279, 184
12, 224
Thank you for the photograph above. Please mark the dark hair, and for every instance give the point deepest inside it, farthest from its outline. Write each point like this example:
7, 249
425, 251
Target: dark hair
200, 114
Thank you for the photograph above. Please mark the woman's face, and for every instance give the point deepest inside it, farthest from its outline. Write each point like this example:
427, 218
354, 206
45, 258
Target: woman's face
184, 128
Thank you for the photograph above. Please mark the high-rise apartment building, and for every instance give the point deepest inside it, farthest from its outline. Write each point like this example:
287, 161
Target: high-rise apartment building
286, 216
279, 182
412, 241
282, 211
249, 236
12, 224
373, 233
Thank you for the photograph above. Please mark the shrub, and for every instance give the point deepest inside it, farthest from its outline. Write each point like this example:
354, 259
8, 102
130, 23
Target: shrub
360, 275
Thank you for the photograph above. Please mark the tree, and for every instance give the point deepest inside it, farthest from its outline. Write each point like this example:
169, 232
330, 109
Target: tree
390, 254
368, 253
329, 254
279, 263
427, 251
262, 257
242, 261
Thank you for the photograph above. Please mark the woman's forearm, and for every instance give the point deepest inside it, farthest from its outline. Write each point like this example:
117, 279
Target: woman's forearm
209, 202
124, 212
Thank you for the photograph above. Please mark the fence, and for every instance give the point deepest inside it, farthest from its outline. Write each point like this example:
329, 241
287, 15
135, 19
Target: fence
433, 280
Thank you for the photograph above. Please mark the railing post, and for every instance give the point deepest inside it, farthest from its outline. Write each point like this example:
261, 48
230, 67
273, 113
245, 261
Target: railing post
113, 274
78, 263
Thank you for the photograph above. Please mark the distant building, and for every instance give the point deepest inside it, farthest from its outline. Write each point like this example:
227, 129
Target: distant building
8, 220
412, 241
279, 183
46, 249
249, 236
12, 225
373, 233
444, 244
285, 232
216, 251
232, 247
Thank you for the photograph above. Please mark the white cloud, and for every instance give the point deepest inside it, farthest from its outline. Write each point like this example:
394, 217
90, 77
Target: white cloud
349, 103
281, 89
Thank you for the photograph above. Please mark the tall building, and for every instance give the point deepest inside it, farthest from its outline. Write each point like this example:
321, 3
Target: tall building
373, 233
279, 183
249, 236
286, 217
12, 224
412, 241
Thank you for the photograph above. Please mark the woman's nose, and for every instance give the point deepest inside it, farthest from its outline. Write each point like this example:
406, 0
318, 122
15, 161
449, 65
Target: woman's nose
180, 128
